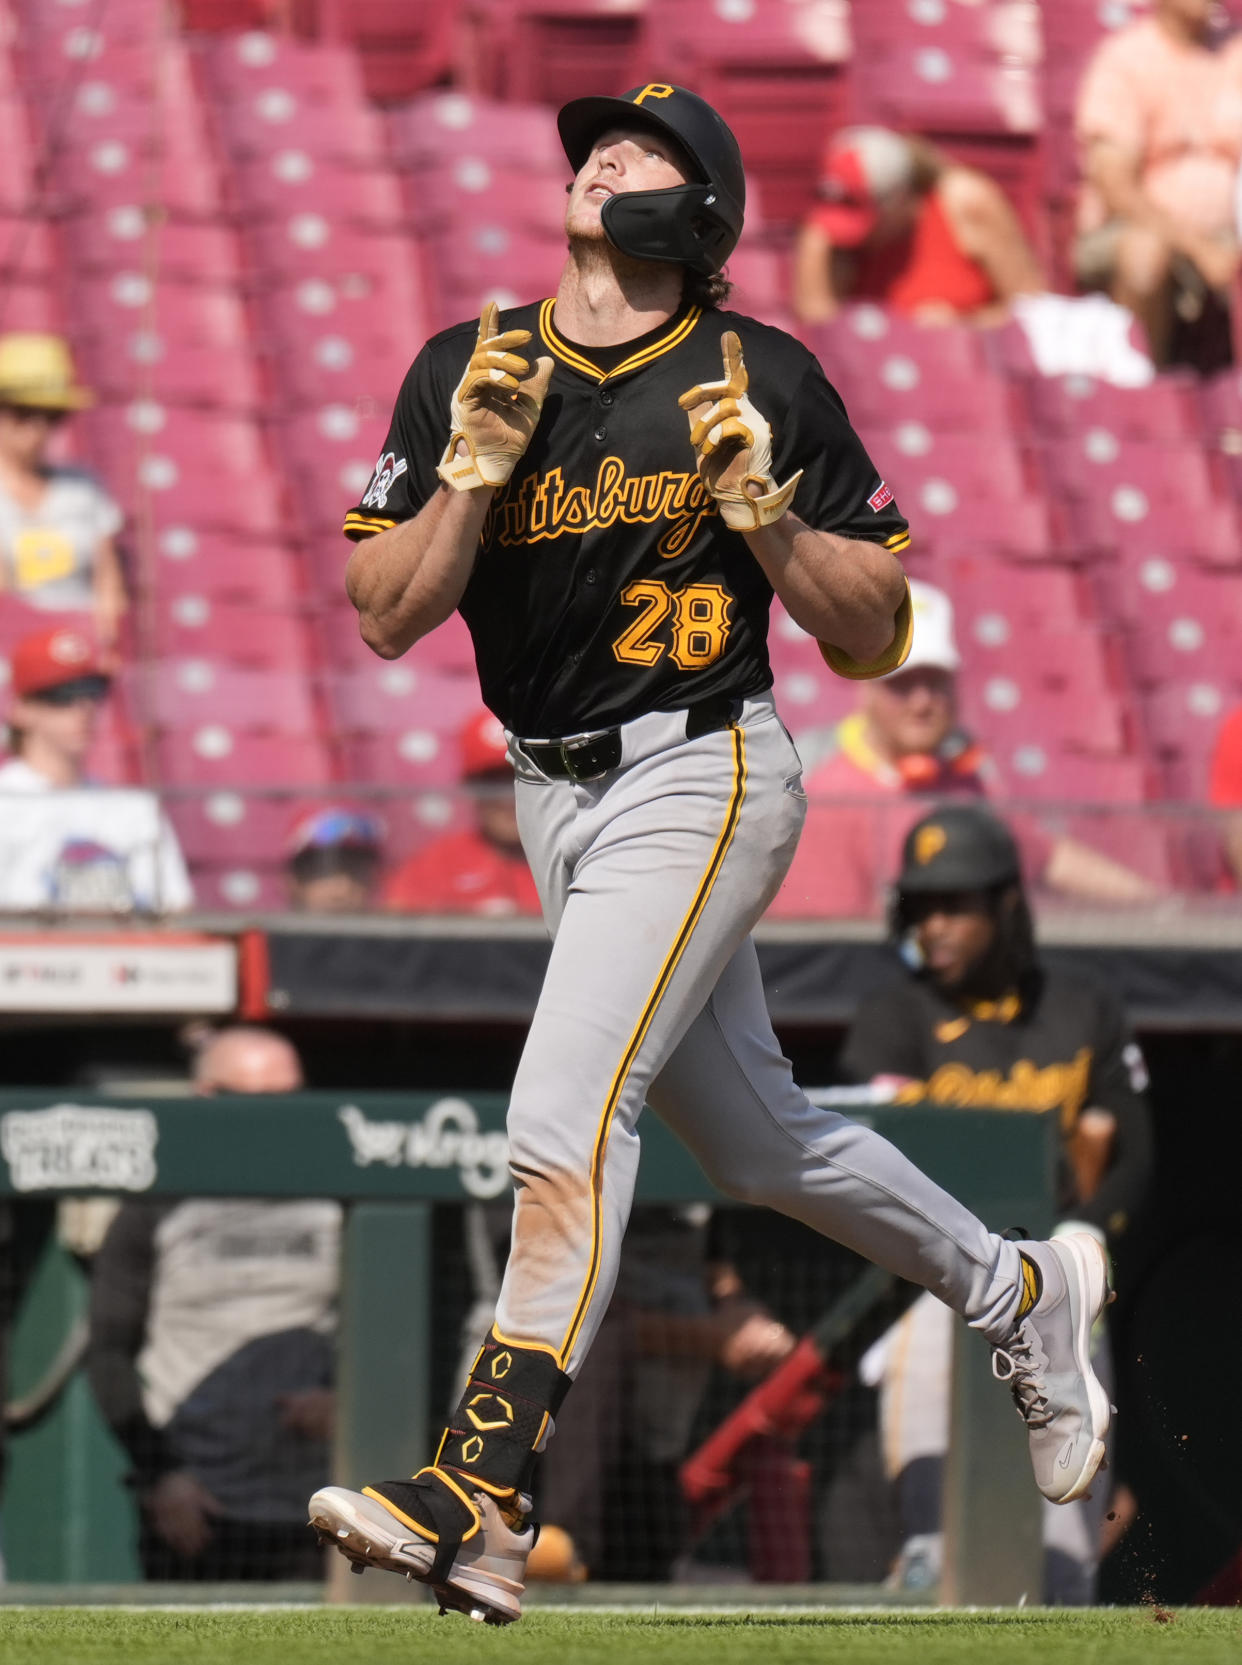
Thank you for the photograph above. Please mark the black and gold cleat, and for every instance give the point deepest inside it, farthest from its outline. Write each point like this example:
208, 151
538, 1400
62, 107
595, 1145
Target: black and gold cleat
433, 1530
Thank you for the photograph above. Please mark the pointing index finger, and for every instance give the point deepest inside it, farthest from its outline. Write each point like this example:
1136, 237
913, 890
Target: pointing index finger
734, 364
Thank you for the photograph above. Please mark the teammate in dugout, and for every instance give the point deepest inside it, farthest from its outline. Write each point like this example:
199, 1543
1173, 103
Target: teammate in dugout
612, 513
981, 1020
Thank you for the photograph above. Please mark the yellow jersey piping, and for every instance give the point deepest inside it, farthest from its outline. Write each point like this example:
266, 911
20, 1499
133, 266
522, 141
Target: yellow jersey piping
578, 361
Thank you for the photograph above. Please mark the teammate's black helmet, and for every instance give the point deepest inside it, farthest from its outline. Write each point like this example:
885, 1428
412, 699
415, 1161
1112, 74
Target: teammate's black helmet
958, 847
693, 225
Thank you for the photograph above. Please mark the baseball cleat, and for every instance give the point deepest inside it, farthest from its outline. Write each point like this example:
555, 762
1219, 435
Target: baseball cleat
1047, 1365
484, 1580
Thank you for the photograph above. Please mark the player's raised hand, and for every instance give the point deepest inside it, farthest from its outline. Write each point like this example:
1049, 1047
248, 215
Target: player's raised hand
732, 443
495, 407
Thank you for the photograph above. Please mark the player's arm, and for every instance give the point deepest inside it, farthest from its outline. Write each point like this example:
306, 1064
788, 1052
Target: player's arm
839, 590
842, 590
408, 579
1116, 1094
410, 573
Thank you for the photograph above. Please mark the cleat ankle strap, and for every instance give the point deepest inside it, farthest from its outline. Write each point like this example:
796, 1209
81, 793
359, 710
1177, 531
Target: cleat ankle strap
435, 1506
503, 1417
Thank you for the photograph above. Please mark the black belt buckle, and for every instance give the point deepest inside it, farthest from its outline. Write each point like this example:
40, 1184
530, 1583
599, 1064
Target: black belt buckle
582, 758
590, 758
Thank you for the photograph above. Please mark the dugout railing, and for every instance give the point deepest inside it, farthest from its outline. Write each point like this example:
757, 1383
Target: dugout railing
393, 1158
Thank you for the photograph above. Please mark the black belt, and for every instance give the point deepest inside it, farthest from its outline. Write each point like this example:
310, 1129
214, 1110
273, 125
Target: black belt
587, 757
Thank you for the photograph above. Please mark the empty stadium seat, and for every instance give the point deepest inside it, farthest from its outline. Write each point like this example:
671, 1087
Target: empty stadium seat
185, 693
549, 51
272, 94
191, 626
959, 494
438, 129
403, 45
399, 697
1154, 495
214, 755
185, 561
207, 469
330, 455
169, 342
1065, 406
127, 237
290, 181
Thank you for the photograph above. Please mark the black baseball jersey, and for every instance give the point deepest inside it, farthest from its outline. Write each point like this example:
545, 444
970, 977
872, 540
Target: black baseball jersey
606, 583
1065, 1046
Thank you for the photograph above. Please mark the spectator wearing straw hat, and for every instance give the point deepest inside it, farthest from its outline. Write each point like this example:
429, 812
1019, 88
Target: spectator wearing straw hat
57, 524
481, 869
67, 845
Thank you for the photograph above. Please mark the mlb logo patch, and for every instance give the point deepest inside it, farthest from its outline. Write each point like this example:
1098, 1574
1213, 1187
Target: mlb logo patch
880, 498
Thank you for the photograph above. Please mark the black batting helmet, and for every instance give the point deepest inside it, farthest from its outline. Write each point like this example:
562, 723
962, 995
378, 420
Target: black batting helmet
695, 225
958, 847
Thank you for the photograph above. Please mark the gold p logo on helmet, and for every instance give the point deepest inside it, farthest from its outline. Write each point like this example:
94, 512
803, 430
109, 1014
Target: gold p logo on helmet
928, 843
655, 89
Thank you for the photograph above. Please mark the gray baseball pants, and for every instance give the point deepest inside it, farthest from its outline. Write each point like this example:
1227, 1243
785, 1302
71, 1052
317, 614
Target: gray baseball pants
651, 879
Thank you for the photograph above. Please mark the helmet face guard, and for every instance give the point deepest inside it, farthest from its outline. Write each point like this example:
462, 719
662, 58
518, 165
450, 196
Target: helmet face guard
682, 224
696, 224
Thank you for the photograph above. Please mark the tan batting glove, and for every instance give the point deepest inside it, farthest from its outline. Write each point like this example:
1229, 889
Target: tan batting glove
495, 408
733, 445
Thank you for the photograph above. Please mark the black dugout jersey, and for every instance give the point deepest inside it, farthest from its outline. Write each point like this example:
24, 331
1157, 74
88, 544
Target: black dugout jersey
1067, 1047
606, 583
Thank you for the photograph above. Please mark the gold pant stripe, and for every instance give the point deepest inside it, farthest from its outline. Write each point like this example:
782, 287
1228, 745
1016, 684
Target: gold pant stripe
732, 815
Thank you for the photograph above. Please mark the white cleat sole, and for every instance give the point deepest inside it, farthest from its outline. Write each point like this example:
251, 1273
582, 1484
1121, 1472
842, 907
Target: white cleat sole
368, 1536
1091, 1266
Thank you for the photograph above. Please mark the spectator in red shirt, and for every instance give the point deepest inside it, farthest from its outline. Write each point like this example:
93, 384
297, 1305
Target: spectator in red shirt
1225, 788
903, 749
482, 869
898, 223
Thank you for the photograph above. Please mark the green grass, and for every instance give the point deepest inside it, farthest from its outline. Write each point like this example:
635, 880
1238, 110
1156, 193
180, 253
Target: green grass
386, 1636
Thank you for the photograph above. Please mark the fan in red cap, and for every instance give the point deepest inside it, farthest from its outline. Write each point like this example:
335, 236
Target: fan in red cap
900, 224
481, 869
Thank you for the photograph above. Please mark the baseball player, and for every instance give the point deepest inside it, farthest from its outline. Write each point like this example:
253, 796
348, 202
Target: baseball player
980, 1019
610, 484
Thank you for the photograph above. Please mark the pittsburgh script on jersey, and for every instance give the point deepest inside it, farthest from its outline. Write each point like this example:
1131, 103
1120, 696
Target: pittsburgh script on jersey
542, 506
1060, 1087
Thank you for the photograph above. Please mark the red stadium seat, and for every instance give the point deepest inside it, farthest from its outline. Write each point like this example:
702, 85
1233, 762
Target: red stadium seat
435, 131
242, 886
326, 321
194, 627
330, 455
469, 188
185, 693
215, 755
549, 51
184, 466
184, 561
1066, 406
397, 698
177, 343
1155, 496
290, 181
959, 494
404, 45
273, 94
129, 237
887, 368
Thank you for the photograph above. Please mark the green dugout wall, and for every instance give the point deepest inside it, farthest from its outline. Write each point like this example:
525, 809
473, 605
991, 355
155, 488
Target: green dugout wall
67, 1515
